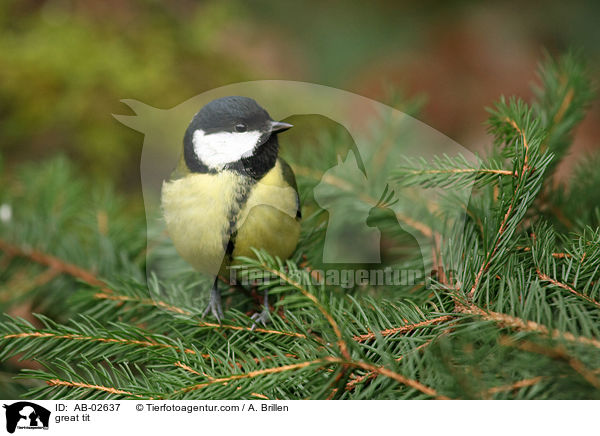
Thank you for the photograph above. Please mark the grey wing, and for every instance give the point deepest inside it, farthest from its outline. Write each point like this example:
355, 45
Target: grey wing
290, 179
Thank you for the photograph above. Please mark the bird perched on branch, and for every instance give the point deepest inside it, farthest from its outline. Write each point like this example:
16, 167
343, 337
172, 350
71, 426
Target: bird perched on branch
231, 192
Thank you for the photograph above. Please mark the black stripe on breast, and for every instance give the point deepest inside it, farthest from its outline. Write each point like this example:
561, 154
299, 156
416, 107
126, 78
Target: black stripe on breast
243, 192
230, 246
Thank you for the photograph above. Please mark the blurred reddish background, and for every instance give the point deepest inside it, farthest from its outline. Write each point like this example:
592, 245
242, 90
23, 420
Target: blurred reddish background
67, 64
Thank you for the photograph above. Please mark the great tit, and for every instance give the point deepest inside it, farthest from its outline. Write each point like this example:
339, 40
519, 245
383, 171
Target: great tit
231, 192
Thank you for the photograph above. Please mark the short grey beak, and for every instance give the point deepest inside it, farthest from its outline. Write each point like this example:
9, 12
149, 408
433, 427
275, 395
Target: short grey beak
278, 126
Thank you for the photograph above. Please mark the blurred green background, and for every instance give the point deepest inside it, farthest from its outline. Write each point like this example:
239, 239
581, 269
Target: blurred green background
64, 65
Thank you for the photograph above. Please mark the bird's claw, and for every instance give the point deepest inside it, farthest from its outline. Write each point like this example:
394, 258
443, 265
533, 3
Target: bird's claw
214, 306
261, 317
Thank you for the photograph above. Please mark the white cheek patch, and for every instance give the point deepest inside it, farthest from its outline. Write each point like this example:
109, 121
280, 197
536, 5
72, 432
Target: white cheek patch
216, 150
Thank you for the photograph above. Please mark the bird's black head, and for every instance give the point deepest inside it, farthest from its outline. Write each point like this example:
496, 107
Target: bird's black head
232, 133
232, 114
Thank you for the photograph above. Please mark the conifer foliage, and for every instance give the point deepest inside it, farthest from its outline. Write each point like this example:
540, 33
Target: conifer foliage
518, 317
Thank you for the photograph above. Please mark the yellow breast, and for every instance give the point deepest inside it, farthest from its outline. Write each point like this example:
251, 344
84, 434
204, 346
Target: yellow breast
195, 209
198, 214
268, 220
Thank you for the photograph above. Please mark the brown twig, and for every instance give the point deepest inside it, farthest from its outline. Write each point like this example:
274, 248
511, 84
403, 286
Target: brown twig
547, 278
110, 390
554, 353
370, 375
563, 106
465, 170
189, 369
403, 329
252, 374
76, 337
145, 301
525, 143
516, 385
324, 361
485, 266
380, 370
338, 333
527, 326
55, 263
12, 289
554, 255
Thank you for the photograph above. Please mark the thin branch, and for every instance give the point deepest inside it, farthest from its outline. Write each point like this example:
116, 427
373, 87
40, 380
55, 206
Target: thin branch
527, 326
547, 278
252, 374
563, 106
250, 329
338, 333
145, 301
554, 353
19, 286
193, 371
261, 396
56, 264
559, 255
403, 329
76, 337
516, 385
370, 374
380, 370
463, 170
485, 266
110, 390
525, 143
400, 379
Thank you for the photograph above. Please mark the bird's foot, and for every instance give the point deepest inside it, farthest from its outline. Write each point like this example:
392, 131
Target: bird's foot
214, 305
261, 317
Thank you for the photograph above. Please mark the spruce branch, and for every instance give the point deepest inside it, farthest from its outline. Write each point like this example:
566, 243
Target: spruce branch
56, 265
110, 390
516, 385
566, 287
403, 329
446, 171
380, 370
506, 120
561, 99
523, 325
554, 353
512, 311
372, 374
257, 373
338, 333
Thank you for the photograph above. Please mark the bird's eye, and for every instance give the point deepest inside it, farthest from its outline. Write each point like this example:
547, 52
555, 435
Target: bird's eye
240, 127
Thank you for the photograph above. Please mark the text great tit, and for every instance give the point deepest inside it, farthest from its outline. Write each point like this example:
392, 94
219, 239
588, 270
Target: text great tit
231, 192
